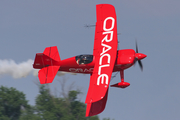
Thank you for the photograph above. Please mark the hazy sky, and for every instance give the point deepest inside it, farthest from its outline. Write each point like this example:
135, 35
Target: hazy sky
27, 27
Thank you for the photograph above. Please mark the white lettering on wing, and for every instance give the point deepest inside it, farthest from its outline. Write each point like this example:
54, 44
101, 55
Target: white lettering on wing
104, 63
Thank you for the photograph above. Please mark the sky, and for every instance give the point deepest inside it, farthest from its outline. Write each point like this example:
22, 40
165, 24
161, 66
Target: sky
27, 27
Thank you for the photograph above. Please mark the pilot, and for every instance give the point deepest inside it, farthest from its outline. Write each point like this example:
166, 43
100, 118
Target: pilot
80, 60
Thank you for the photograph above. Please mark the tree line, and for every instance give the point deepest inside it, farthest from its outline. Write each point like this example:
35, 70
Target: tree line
14, 106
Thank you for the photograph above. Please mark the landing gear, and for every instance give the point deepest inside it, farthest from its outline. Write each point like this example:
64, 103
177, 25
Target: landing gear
121, 84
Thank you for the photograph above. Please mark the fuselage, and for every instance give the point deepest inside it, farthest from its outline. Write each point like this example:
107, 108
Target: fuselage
85, 63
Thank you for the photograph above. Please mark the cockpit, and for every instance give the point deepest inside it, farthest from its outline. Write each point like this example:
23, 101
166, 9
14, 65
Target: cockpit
84, 59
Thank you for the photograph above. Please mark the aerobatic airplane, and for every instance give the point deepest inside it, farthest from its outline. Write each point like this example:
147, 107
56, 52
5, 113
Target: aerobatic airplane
105, 60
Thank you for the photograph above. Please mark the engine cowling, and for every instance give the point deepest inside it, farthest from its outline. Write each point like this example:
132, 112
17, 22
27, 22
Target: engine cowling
125, 58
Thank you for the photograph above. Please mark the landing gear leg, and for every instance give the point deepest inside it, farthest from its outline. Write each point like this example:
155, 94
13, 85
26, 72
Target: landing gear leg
121, 84
122, 75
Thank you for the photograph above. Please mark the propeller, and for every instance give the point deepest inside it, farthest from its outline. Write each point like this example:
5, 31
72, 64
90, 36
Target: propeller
138, 57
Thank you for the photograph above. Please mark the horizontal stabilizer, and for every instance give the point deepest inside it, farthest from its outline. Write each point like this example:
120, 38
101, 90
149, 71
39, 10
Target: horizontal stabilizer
47, 74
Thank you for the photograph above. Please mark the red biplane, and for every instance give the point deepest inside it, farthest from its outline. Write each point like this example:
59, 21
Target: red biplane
105, 60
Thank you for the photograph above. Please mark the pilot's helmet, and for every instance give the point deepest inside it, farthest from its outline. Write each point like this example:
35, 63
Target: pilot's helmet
85, 57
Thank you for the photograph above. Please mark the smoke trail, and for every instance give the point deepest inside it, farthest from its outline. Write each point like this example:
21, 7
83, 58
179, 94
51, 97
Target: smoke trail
19, 70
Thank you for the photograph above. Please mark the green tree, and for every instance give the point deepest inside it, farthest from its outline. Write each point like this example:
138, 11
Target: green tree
14, 106
55, 108
29, 114
12, 102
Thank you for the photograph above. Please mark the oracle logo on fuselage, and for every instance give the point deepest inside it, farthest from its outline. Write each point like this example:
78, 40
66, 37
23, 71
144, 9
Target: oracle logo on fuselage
81, 70
103, 63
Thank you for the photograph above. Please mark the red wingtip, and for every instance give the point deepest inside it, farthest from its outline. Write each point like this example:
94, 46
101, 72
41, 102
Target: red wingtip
96, 107
88, 107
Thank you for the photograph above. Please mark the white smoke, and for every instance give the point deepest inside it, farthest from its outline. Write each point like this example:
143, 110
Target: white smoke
19, 70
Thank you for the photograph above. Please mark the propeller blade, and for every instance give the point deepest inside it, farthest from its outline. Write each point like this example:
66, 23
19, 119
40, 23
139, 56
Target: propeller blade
136, 47
140, 64
139, 61
135, 60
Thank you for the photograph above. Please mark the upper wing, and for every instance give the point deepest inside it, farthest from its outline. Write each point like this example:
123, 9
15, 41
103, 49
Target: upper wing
105, 51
